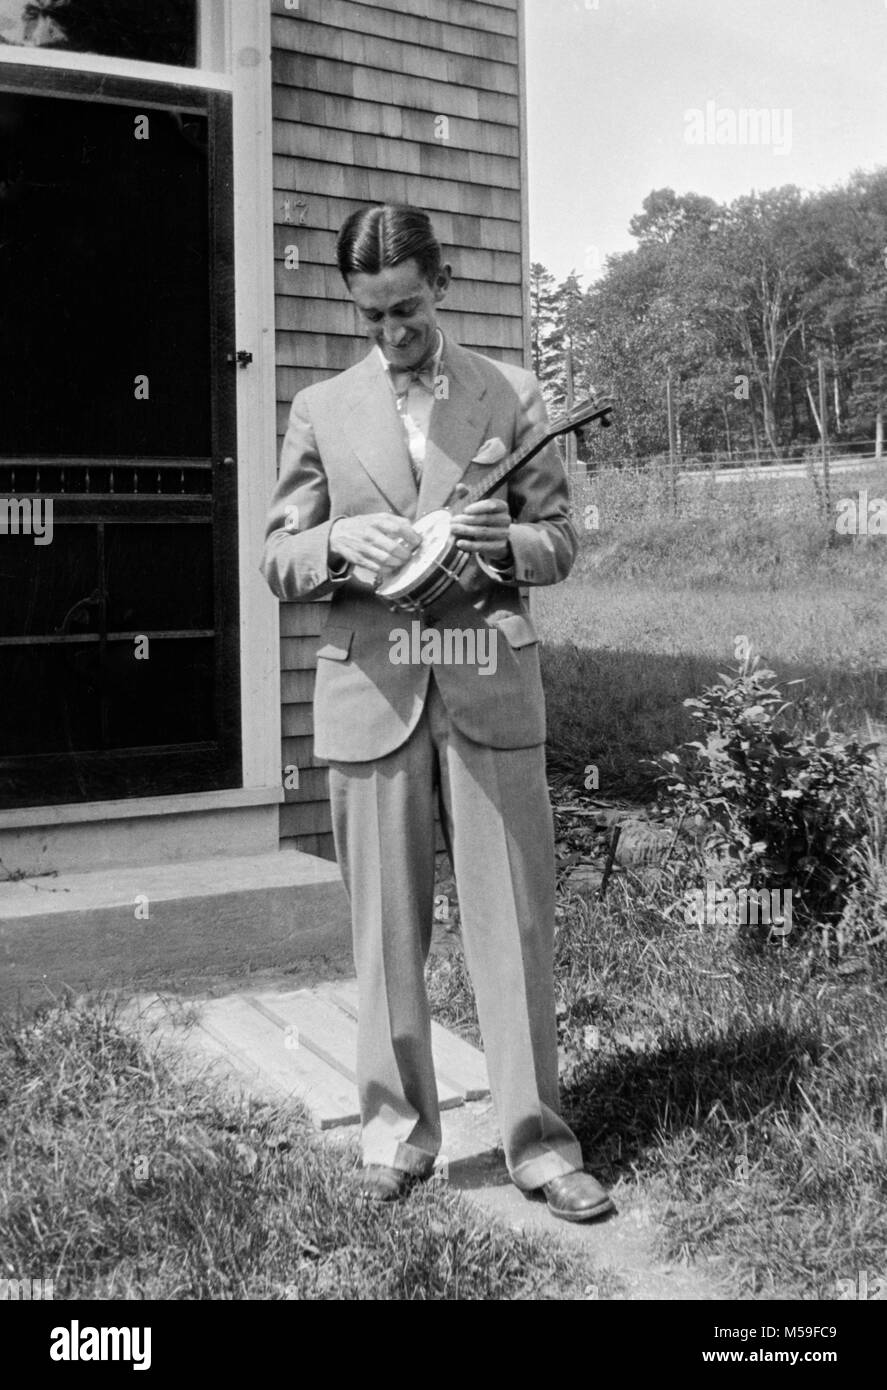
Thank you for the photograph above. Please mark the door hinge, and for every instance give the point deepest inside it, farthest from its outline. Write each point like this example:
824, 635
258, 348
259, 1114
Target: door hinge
241, 357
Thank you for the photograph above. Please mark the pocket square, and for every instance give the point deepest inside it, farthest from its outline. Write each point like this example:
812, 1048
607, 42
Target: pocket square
492, 451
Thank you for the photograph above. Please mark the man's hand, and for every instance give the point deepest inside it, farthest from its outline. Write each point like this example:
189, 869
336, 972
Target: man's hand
380, 542
483, 529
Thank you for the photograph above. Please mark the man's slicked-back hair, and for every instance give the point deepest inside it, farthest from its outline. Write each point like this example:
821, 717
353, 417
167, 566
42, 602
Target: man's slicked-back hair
373, 239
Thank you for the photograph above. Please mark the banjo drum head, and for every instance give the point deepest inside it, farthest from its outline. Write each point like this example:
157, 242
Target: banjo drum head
434, 528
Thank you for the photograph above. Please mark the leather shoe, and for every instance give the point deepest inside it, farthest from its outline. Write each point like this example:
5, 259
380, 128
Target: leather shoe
379, 1183
577, 1196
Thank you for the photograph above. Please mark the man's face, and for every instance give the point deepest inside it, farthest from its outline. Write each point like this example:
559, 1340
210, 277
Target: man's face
399, 309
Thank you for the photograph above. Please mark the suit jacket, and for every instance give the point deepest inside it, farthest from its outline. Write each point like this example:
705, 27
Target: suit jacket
344, 454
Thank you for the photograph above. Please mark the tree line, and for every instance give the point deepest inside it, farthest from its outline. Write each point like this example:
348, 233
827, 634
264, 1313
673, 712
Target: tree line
737, 304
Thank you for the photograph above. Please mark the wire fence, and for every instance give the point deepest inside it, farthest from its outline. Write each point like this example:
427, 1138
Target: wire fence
839, 453
613, 496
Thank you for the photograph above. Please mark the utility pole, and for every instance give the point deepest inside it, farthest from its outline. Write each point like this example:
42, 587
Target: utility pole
879, 413
726, 415
672, 449
570, 438
823, 431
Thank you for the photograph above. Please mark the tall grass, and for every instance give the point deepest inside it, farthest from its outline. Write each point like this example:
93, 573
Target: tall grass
754, 534
121, 1179
738, 1093
737, 1089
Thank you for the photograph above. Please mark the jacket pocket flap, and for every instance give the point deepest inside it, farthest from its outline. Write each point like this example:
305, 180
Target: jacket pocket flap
518, 630
335, 643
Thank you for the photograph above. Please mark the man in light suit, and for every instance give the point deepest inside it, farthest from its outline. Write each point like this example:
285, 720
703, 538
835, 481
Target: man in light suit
365, 454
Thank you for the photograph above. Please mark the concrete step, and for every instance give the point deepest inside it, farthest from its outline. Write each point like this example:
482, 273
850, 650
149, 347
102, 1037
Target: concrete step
114, 927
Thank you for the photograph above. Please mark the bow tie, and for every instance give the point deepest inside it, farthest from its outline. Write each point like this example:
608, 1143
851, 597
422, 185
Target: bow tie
402, 381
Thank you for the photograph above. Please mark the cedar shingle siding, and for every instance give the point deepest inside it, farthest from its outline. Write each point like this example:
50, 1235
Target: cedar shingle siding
359, 90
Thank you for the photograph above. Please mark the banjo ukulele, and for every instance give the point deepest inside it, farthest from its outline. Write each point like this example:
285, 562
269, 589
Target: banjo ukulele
437, 562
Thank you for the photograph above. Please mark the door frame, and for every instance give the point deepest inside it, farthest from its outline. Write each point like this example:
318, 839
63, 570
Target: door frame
235, 53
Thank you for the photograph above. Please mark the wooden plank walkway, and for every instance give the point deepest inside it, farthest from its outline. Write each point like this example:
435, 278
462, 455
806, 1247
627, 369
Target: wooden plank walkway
302, 1045
260, 1041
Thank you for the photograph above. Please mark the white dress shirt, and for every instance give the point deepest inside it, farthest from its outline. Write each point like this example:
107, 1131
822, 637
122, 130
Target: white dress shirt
414, 398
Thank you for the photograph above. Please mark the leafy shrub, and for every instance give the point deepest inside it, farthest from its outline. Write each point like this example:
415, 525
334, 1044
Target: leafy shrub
780, 809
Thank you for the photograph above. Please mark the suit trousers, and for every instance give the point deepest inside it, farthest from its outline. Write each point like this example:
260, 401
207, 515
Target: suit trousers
497, 822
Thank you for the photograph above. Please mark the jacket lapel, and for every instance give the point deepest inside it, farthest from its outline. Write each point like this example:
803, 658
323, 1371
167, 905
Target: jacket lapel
457, 428
376, 435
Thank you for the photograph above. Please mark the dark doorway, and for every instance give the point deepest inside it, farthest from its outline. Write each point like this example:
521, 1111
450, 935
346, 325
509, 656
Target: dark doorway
118, 540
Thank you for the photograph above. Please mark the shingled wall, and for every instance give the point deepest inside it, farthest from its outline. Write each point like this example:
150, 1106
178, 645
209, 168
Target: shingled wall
420, 102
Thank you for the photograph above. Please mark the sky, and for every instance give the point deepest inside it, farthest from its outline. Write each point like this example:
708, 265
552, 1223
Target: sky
610, 84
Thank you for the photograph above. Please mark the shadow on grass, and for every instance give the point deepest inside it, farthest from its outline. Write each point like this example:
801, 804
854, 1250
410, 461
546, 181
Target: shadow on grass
625, 1106
615, 709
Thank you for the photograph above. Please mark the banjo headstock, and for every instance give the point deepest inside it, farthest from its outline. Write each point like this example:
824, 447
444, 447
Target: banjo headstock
585, 413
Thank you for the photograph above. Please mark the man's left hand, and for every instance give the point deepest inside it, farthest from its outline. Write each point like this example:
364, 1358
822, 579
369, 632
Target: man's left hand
483, 529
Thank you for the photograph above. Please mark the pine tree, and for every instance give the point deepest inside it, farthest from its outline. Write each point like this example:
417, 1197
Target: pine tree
543, 321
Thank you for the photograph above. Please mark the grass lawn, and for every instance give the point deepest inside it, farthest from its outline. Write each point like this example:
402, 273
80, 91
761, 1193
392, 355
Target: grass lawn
620, 658
119, 1179
655, 603
738, 1089
738, 1093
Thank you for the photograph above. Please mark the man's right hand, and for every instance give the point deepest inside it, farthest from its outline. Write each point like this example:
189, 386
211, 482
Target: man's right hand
380, 542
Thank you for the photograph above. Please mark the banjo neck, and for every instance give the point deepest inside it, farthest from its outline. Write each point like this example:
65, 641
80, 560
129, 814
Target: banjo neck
539, 437
422, 579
